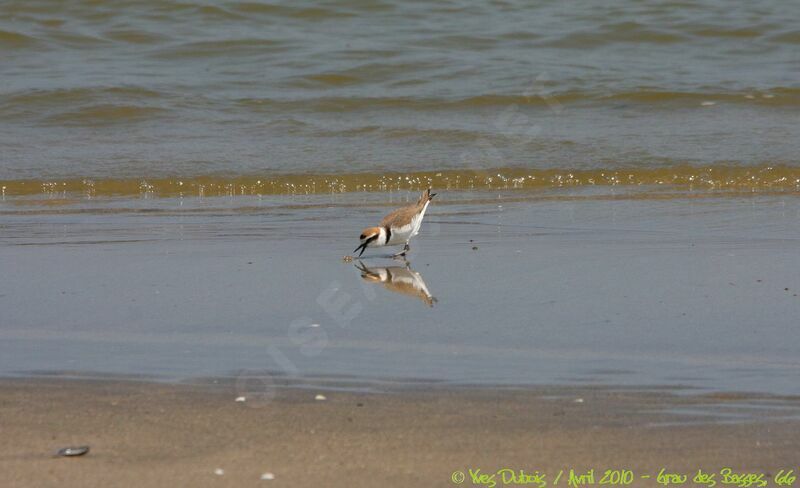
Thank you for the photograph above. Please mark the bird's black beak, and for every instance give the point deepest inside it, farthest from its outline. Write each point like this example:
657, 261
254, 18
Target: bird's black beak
363, 247
432, 195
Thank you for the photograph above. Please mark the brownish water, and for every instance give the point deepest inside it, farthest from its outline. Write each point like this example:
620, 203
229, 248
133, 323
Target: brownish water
758, 178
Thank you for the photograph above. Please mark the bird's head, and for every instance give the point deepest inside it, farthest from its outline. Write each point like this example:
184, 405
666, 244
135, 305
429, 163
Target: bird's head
368, 237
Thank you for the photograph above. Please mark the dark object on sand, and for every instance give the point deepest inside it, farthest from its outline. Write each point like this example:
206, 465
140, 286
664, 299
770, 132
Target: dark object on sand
73, 451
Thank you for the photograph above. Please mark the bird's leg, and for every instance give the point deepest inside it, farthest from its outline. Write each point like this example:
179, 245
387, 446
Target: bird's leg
402, 254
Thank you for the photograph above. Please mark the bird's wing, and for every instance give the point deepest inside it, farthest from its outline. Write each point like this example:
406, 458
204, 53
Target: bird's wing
399, 217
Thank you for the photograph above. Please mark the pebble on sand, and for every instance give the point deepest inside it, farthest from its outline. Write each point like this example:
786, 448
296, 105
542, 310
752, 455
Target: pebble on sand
241, 399
320, 397
219, 471
267, 476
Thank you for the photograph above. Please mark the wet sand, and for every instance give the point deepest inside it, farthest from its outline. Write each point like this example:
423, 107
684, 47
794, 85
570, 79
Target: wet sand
574, 286
177, 435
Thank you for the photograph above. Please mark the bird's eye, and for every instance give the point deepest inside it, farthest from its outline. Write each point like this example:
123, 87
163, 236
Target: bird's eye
362, 236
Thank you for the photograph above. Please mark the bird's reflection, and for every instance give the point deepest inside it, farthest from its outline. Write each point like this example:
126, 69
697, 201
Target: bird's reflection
399, 279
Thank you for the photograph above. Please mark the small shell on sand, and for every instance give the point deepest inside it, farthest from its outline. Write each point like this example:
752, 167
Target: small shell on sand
241, 399
320, 397
219, 471
267, 476
73, 451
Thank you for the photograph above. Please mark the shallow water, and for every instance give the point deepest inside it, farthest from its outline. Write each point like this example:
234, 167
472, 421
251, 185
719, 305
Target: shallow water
686, 292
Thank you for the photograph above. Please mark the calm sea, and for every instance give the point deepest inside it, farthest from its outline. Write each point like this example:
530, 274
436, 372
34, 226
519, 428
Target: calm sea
165, 96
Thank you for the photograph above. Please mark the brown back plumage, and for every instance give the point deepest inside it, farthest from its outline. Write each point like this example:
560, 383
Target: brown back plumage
402, 216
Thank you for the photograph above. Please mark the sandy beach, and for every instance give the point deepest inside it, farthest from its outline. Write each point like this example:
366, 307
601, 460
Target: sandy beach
144, 434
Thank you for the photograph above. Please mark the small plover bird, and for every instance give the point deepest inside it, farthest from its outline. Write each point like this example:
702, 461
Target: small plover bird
398, 227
